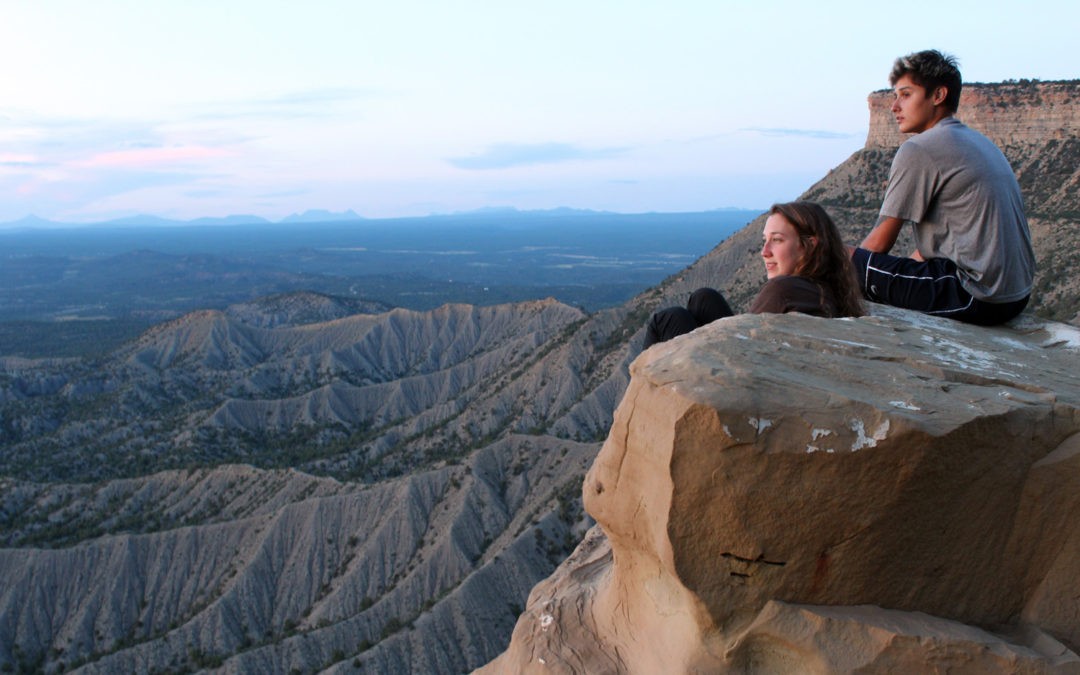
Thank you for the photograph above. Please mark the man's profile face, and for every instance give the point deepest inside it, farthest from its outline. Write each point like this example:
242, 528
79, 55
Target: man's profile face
916, 109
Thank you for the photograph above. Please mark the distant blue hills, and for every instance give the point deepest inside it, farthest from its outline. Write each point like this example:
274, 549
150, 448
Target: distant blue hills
310, 216
32, 222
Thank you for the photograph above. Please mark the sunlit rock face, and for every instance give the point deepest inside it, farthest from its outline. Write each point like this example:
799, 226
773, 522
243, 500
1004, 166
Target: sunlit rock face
1010, 113
784, 493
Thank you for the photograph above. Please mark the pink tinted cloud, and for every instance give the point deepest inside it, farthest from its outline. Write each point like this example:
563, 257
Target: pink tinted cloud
144, 157
16, 158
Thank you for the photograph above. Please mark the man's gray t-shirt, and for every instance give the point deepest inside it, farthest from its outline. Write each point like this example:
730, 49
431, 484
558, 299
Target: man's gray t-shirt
958, 189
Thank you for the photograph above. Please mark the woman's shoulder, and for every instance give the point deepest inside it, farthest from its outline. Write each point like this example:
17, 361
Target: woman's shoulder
790, 283
789, 293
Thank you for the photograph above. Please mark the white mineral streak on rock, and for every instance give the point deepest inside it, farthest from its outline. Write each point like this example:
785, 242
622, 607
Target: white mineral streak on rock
1012, 343
1063, 335
759, 424
967, 357
864, 441
904, 405
817, 434
850, 343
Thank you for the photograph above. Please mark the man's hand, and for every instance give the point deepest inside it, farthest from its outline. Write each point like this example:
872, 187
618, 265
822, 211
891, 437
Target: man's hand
883, 236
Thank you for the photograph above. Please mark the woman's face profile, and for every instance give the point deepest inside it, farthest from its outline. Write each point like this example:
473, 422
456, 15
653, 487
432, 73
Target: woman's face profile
782, 248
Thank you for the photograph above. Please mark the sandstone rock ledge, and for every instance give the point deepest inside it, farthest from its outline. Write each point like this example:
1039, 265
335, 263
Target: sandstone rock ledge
782, 493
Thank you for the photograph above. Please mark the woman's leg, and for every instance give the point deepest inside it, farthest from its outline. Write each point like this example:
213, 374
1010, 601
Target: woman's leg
705, 306
708, 305
668, 323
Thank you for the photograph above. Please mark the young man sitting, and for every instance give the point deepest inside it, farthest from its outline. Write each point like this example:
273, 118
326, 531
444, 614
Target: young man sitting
973, 260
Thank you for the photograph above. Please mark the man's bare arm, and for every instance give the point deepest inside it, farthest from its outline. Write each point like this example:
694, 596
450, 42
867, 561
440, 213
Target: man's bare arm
882, 238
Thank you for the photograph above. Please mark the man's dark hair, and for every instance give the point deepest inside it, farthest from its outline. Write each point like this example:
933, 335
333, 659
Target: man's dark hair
931, 69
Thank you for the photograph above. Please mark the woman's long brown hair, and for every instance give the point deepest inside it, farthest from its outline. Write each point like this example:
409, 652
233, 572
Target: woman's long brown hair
825, 258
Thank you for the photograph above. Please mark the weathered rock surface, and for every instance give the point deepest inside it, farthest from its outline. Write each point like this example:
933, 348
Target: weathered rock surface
782, 493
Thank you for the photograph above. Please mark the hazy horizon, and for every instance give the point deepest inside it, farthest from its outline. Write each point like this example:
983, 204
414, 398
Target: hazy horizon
323, 216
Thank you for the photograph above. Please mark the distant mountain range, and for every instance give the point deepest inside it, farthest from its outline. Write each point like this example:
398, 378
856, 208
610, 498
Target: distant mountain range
310, 216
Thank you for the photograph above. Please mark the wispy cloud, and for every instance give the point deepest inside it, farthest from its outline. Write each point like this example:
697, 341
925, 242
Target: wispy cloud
153, 156
52, 165
278, 194
509, 155
327, 95
801, 133
59, 190
300, 104
17, 159
36, 144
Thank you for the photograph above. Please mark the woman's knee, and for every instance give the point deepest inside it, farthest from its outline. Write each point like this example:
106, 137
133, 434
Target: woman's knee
707, 305
668, 323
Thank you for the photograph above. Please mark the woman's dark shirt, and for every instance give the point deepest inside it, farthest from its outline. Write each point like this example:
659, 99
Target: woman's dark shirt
785, 294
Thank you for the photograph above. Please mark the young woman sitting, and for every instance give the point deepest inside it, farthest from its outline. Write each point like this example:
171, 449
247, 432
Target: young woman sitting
808, 267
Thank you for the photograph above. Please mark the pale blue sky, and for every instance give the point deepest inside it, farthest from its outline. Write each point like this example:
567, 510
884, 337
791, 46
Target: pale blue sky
199, 108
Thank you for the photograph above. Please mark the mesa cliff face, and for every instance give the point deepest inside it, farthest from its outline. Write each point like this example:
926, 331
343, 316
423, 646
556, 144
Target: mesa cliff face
893, 493
1010, 113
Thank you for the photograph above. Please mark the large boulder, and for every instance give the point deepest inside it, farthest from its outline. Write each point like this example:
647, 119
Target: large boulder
786, 493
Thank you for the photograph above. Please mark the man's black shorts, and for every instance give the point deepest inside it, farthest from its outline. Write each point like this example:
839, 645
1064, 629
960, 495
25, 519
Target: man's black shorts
930, 286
